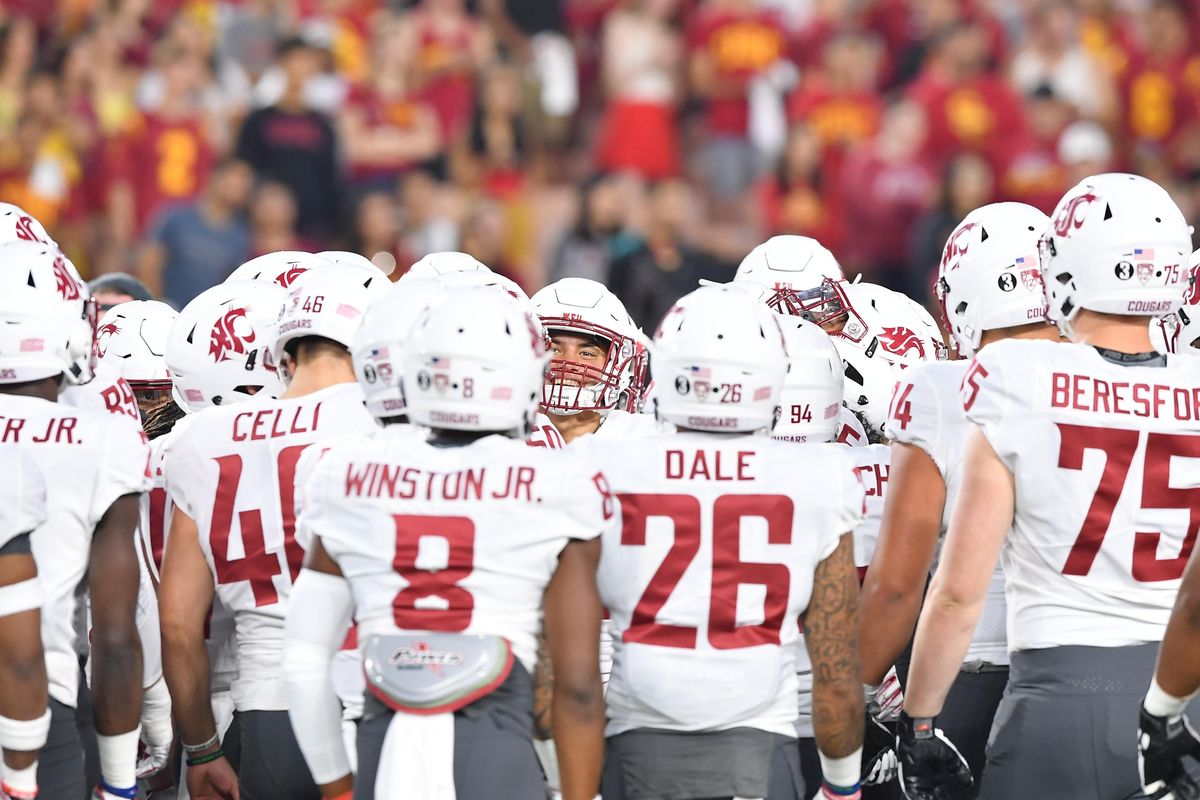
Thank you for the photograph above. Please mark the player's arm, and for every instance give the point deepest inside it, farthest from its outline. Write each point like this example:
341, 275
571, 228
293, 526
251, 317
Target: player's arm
116, 657
895, 582
319, 611
573, 613
958, 591
24, 716
1178, 670
830, 634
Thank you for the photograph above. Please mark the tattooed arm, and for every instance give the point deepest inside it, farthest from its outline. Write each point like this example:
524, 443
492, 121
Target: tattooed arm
831, 635
543, 689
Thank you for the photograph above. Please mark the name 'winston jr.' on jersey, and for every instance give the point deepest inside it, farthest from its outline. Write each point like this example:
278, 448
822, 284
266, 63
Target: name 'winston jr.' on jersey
728, 538
1088, 451
231, 474
99, 464
444, 550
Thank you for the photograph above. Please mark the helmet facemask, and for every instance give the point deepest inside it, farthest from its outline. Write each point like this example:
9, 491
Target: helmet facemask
572, 386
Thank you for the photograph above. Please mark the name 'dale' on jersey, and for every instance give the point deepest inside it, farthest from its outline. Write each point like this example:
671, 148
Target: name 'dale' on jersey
406, 483
703, 465
1085, 393
58, 430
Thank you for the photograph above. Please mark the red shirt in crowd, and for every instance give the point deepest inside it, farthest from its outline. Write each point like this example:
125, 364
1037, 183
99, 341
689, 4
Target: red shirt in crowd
379, 111
741, 46
978, 116
451, 94
1160, 97
882, 200
840, 119
163, 161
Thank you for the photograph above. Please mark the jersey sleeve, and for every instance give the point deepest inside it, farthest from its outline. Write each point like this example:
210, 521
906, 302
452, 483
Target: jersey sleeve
31, 495
851, 500
985, 394
915, 415
587, 496
126, 464
181, 460
312, 475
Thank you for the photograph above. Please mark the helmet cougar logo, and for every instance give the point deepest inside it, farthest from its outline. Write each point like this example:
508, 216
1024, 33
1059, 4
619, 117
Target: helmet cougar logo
901, 341
957, 246
65, 282
1071, 218
285, 279
1193, 293
102, 334
225, 339
24, 230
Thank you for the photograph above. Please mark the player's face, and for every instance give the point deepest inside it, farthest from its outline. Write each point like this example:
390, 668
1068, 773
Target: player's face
575, 349
151, 396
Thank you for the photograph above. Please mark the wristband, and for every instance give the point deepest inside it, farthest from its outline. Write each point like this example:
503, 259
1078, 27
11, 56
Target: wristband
130, 793
1161, 704
829, 792
206, 758
842, 772
196, 748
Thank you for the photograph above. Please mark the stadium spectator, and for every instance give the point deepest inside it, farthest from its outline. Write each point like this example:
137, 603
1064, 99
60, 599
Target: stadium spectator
1055, 57
290, 143
967, 185
803, 197
116, 288
599, 235
197, 245
273, 221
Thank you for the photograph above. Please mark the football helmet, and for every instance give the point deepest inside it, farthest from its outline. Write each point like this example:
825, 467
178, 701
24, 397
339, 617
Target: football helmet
475, 363
219, 349
719, 362
18, 225
586, 308
464, 279
1116, 244
788, 265
47, 317
990, 276
132, 337
347, 257
281, 267
1179, 332
329, 302
434, 265
811, 400
381, 341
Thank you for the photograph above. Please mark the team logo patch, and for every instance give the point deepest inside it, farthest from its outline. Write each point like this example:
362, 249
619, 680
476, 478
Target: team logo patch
68, 287
230, 335
1073, 213
1007, 282
957, 246
1144, 273
1032, 278
901, 341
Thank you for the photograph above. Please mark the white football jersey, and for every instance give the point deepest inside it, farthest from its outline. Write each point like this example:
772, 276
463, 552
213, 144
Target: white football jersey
873, 463
90, 458
232, 470
850, 430
711, 571
107, 391
22, 495
544, 434
1106, 463
452, 539
624, 425
927, 412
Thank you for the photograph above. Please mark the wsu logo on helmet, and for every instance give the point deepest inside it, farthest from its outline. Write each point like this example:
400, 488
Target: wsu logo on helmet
1192, 296
24, 230
64, 281
102, 333
293, 271
226, 339
1073, 213
901, 342
956, 246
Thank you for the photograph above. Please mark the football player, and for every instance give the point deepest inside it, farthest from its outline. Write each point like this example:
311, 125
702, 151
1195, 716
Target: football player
1180, 332
230, 473
990, 288
788, 266
24, 716
1076, 463
98, 463
444, 550
18, 225
702, 699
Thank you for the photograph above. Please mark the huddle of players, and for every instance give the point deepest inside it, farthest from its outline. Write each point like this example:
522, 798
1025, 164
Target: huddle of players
379, 615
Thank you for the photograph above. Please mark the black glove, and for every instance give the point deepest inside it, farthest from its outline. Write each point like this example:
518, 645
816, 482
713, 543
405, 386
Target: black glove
879, 752
1163, 742
929, 763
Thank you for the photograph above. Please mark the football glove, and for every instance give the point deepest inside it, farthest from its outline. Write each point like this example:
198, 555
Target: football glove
879, 752
930, 764
1163, 743
885, 701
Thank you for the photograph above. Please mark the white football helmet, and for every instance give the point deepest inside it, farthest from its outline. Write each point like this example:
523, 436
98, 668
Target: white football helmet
47, 317
132, 337
990, 276
1116, 244
467, 279
587, 308
719, 362
219, 349
434, 265
347, 257
1179, 332
811, 401
788, 265
329, 302
18, 225
282, 267
382, 339
475, 363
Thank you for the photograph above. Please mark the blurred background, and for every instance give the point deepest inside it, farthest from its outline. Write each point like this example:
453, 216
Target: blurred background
642, 143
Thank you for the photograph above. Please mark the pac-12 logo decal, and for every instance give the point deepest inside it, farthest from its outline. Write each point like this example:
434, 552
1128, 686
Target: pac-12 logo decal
102, 333
1073, 213
64, 281
957, 246
901, 341
226, 338
1032, 278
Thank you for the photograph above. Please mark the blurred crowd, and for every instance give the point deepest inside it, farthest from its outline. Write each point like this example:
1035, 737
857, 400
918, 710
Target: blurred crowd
642, 143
